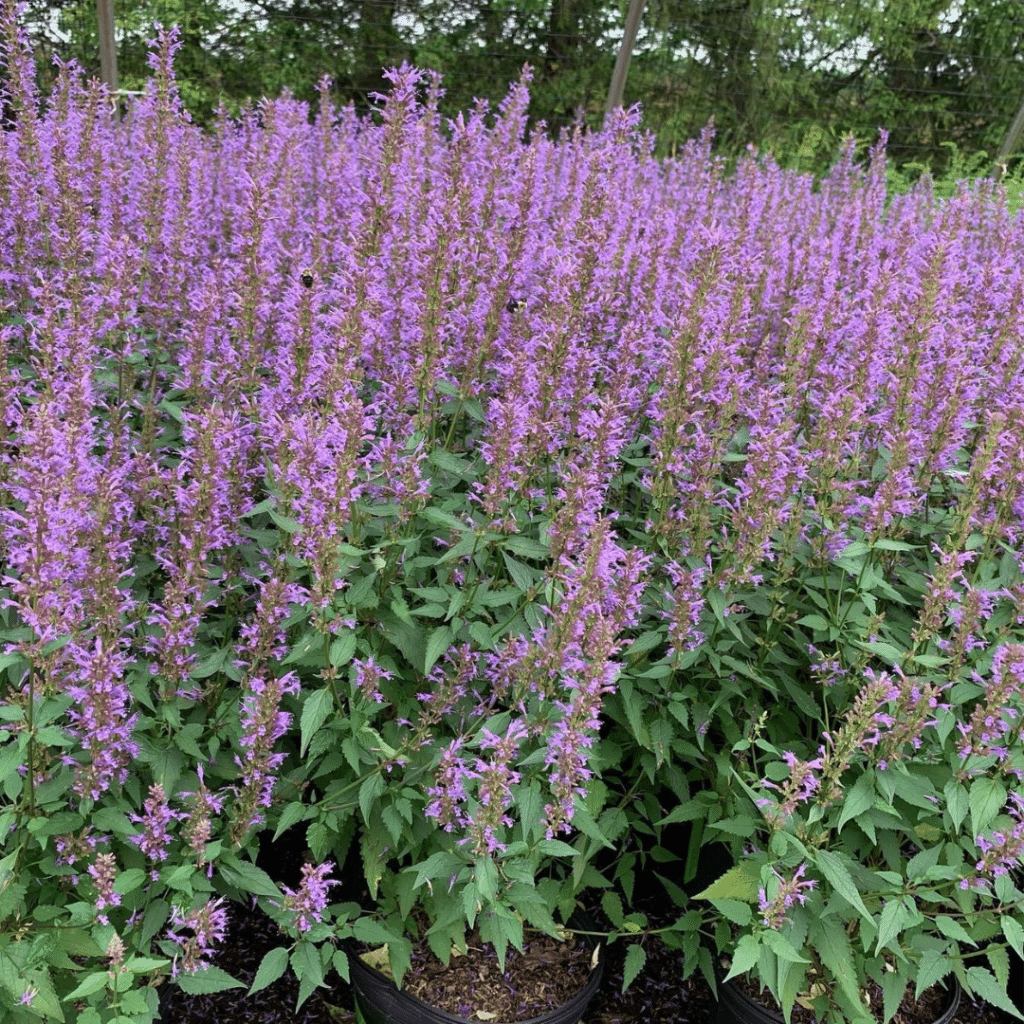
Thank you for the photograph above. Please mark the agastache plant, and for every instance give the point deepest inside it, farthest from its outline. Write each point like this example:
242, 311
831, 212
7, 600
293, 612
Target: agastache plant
482, 505
901, 842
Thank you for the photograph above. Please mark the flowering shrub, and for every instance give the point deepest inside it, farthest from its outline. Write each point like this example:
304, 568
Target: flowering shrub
888, 858
483, 504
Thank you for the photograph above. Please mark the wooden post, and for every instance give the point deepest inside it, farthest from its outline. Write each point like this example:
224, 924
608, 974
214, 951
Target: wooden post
1010, 143
108, 54
618, 85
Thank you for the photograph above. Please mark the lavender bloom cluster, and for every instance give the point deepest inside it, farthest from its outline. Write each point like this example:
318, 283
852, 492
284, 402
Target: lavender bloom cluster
470, 497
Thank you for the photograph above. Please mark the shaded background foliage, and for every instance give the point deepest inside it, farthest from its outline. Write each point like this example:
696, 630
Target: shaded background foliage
788, 76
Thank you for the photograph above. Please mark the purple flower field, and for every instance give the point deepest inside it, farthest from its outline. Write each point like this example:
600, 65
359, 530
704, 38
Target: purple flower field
473, 499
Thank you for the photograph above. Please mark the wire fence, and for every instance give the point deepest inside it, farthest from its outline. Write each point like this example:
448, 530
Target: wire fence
790, 78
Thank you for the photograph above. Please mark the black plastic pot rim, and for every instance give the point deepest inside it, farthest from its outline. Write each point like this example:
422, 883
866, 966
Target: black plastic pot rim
736, 1007
393, 1004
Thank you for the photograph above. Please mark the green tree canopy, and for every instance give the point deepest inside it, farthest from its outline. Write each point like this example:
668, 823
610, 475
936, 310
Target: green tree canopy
788, 76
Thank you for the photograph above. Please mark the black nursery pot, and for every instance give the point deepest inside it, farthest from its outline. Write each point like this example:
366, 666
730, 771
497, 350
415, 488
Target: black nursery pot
380, 1001
736, 1007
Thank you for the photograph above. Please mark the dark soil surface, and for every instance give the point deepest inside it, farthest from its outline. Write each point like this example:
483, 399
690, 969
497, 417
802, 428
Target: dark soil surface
546, 974
656, 997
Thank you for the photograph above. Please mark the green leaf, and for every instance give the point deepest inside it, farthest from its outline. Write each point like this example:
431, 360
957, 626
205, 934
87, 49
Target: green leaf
522, 575
369, 792
437, 644
642, 644
987, 799
584, 821
858, 799
343, 649
315, 711
689, 811
1014, 934
832, 943
953, 930
782, 947
291, 815
894, 988
894, 916
306, 963
889, 653
207, 980
742, 882
371, 933
272, 966
636, 957
284, 522
956, 802
248, 877
142, 964
556, 848
438, 865
129, 880
983, 983
450, 463
307, 646
835, 870
818, 622
745, 956
526, 547
736, 911
89, 985
611, 904
528, 801
485, 875
438, 517
1000, 961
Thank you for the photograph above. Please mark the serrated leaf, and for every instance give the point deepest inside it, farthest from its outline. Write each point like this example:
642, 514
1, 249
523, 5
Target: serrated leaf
526, 547
285, 523
782, 947
141, 964
636, 957
957, 804
291, 815
999, 960
952, 929
248, 878
889, 653
987, 798
305, 960
611, 904
984, 984
522, 575
742, 882
372, 932
556, 848
858, 799
343, 649
1014, 933
832, 943
369, 792
89, 985
437, 644
315, 712
838, 874
745, 956
894, 916
584, 821
894, 988
736, 911
207, 980
129, 880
